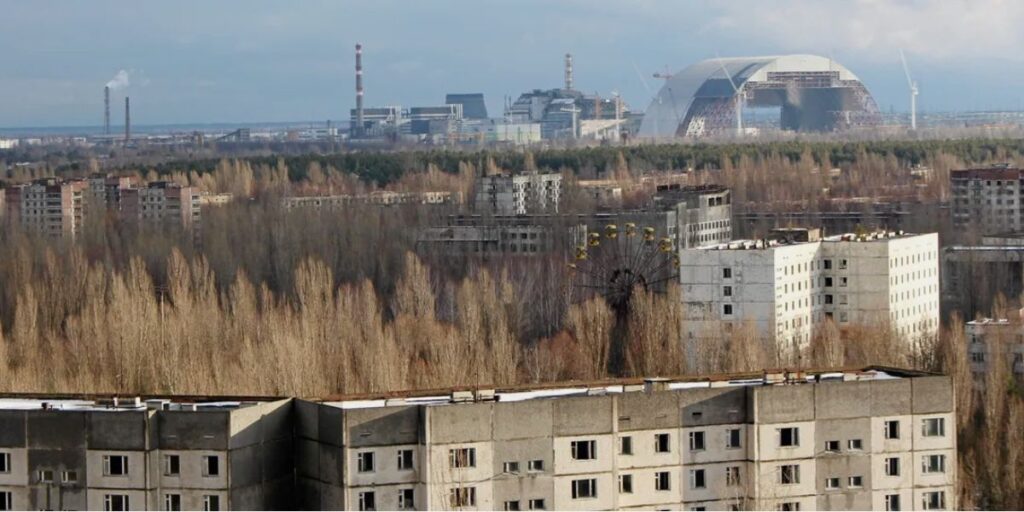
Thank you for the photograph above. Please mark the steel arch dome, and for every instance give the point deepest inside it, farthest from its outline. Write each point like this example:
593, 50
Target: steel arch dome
817, 93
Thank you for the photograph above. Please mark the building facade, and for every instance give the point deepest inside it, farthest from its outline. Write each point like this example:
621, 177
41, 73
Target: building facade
788, 285
162, 201
855, 440
991, 342
988, 199
703, 213
518, 194
58, 453
49, 206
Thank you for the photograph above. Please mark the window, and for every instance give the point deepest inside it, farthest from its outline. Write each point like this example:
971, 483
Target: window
211, 502
6, 500
404, 460
462, 457
46, 475
584, 450
892, 431
828, 282
172, 502
935, 500
832, 483
726, 309
789, 436
512, 505
856, 481
828, 299
696, 441
69, 477
698, 479
537, 504
831, 446
855, 444
828, 264
5, 462
626, 445
115, 502
789, 506
732, 476
463, 497
892, 466
510, 467
726, 273
789, 474
211, 465
407, 499
585, 488
367, 501
732, 438
892, 501
933, 427
172, 465
662, 443
626, 484
115, 465
535, 465
727, 291
663, 482
933, 464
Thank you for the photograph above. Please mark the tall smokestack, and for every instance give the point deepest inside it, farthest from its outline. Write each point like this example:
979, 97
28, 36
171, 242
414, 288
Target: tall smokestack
127, 120
359, 90
106, 110
568, 71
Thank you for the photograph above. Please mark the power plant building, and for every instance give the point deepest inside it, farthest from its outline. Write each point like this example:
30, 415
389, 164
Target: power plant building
812, 93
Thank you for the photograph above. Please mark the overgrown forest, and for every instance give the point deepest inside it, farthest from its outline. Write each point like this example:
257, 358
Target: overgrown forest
263, 301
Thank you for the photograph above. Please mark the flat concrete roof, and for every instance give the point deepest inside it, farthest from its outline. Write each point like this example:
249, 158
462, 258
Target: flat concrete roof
58, 402
455, 396
759, 244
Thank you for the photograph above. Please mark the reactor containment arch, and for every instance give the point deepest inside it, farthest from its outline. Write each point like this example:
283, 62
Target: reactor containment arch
813, 93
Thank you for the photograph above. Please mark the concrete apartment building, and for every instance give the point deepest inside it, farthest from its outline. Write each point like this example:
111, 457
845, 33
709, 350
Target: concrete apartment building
988, 199
381, 197
703, 213
64, 453
872, 438
973, 275
48, 206
162, 201
790, 283
518, 194
991, 342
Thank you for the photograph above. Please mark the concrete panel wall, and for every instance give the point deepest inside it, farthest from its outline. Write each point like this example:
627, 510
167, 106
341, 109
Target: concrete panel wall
382, 426
583, 415
714, 406
932, 394
12, 428
648, 411
117, 430
465, 423
193, 430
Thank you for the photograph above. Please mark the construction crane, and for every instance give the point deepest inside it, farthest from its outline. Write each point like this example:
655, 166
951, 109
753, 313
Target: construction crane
913, 92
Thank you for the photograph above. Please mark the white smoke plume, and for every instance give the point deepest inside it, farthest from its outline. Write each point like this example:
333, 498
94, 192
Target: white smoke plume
120, 81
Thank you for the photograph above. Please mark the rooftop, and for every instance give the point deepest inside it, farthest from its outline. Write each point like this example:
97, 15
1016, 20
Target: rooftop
62, 402
752, 244
441, 397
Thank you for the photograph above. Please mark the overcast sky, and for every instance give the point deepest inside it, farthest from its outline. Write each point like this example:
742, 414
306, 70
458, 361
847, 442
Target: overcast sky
247, 61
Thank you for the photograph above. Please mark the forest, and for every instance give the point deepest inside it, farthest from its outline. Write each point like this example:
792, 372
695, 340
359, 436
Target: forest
265, 301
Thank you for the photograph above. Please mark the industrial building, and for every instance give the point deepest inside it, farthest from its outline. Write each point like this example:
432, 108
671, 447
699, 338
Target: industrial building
812, 93
855, 439
788, 284
473, 106
988, 200
518, 194
163, 453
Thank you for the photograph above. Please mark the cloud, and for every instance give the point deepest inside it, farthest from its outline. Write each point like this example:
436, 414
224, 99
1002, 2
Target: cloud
877, 29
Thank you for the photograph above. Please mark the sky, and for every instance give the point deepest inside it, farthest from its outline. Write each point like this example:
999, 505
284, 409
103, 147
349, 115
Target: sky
260, 61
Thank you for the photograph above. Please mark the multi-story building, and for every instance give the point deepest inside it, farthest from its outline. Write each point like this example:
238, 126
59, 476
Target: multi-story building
518, 194
988, 199
380, 197
62, 453
973, 276
162, 201
703, 213
991, 342
524, 235
873, 438
787, 285
48, 206
105, 189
